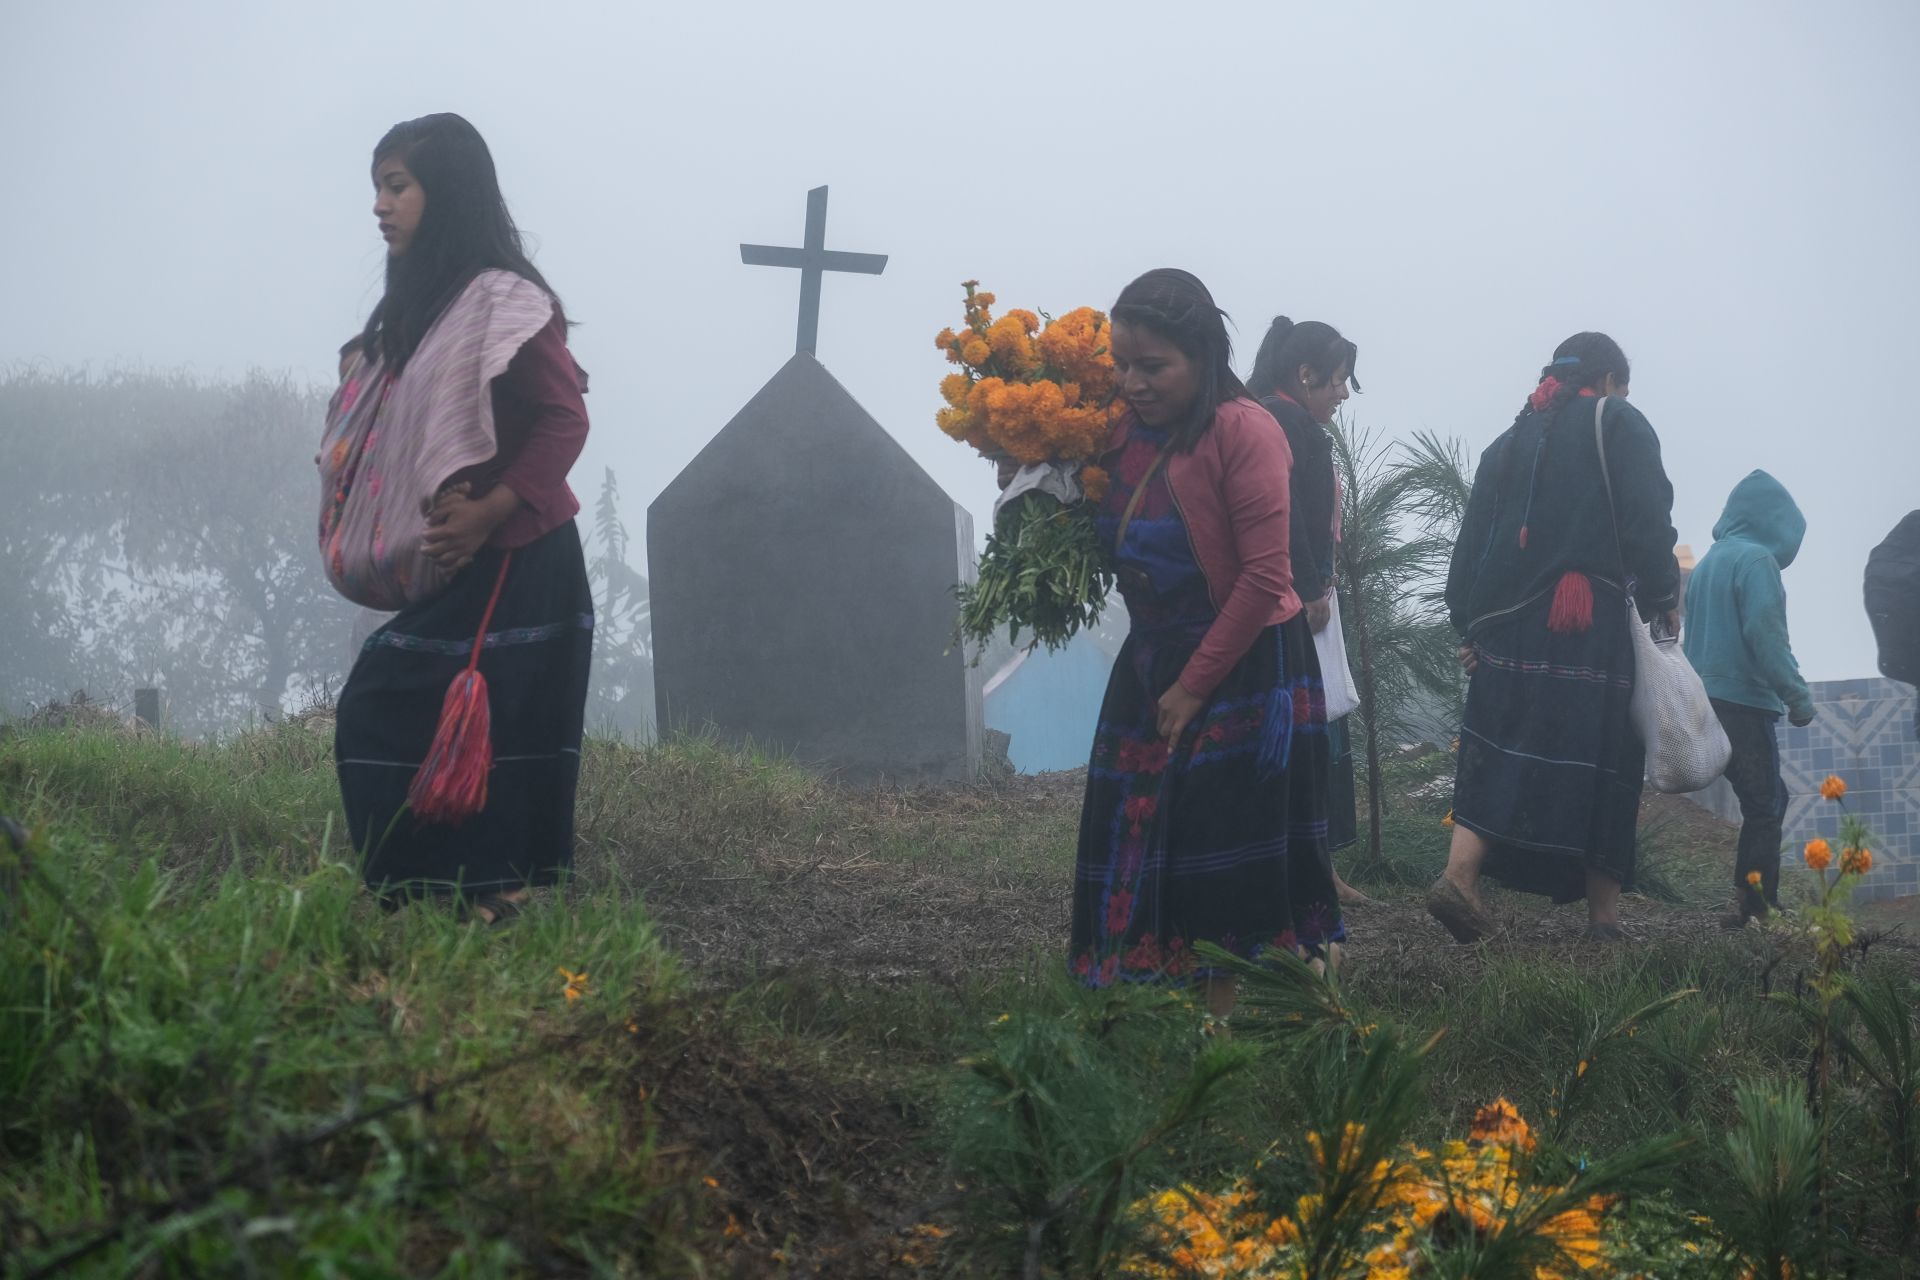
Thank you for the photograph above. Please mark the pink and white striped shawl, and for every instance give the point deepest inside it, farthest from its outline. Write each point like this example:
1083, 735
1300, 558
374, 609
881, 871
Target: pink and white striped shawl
392, 443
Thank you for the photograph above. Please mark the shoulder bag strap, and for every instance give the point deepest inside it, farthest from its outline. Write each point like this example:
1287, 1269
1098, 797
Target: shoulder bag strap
1139, 492
1600, 444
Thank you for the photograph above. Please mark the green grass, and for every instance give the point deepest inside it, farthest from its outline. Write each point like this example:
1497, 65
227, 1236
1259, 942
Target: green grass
218, 1056
227, 1067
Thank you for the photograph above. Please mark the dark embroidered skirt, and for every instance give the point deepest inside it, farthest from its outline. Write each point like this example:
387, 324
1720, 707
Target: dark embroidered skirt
1343, 804
1550, 768
536, 658
1204, 843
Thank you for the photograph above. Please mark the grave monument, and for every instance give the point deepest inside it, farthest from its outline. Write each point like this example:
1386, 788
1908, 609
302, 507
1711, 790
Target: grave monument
802, 571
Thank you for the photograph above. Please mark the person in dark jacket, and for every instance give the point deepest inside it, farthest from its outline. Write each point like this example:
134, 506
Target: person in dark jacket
1301, 376
1736, 639
1892, 593
1557, 536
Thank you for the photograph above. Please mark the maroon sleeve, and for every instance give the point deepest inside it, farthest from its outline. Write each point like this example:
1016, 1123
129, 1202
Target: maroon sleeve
1254, 489
542, 389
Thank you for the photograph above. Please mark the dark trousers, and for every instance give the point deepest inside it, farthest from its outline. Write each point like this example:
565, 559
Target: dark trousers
1754, 774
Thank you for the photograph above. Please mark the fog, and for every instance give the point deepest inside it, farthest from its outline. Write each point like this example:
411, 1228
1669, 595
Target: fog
1728, 189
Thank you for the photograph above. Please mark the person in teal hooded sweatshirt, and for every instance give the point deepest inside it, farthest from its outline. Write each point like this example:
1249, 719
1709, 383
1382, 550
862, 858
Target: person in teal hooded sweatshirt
1736, 638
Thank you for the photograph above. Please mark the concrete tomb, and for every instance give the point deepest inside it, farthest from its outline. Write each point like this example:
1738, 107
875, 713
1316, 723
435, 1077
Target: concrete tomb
802, 571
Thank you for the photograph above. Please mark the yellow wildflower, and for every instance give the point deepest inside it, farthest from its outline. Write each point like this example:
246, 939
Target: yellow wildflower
576, 985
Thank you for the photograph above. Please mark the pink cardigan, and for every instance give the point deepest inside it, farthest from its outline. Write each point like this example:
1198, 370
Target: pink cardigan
1232, 491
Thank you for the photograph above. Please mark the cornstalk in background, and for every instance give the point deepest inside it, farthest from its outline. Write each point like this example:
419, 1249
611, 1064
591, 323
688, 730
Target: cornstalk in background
1401, 507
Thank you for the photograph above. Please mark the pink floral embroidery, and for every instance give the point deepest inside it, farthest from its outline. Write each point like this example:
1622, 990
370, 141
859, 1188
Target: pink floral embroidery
1140, 810
1143, 757
1145, 956
1179, 959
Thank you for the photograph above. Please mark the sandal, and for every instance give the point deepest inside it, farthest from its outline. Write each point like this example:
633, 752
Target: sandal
1458, 913
500, 912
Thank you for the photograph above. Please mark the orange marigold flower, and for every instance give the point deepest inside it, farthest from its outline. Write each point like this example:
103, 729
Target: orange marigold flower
1753, 879
1500, 1123
1012, 344
1094, 481
974, 350
1856, 862
1833, 788
1819, 854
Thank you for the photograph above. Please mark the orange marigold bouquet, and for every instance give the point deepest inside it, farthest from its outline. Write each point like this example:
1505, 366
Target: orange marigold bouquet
1037, 391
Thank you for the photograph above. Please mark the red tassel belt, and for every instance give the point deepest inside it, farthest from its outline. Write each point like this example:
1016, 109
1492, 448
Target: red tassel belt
452, 783
1572, 604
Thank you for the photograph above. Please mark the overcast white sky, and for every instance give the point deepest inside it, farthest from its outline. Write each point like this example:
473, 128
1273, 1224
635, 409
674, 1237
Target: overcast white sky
1727, 188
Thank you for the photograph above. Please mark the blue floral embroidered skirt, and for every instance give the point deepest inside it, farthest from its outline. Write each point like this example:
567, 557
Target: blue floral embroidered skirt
1222, 836
536, 657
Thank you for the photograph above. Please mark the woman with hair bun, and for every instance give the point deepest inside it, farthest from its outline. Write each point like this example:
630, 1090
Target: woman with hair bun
1547, 790
1204, 818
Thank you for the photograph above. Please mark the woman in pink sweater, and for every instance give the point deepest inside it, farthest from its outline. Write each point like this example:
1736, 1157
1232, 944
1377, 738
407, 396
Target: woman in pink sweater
1185, 836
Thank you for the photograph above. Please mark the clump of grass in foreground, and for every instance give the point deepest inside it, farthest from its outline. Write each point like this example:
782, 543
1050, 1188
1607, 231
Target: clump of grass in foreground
1659, 1132
208, 1074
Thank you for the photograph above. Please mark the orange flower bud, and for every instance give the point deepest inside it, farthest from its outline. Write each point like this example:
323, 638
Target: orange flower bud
1095, 481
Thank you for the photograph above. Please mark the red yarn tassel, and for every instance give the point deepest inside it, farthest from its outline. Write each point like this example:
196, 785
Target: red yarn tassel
452, 783
1572, 605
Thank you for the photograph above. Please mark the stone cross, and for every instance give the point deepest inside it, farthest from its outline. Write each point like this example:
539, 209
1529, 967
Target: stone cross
812, 259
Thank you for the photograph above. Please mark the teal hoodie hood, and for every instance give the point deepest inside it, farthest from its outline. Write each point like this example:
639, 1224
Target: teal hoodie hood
1761, 510
1736, 628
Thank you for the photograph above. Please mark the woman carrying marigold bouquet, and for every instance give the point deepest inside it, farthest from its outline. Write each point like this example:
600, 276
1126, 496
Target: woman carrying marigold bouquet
1204, 817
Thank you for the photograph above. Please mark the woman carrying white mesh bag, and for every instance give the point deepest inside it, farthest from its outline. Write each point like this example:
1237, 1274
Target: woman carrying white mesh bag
1686, 746
1566, 547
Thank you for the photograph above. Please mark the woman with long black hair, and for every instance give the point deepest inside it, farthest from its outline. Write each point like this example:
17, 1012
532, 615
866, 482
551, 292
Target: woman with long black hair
445, 464
1204, 818
1301, 376
1571, 513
